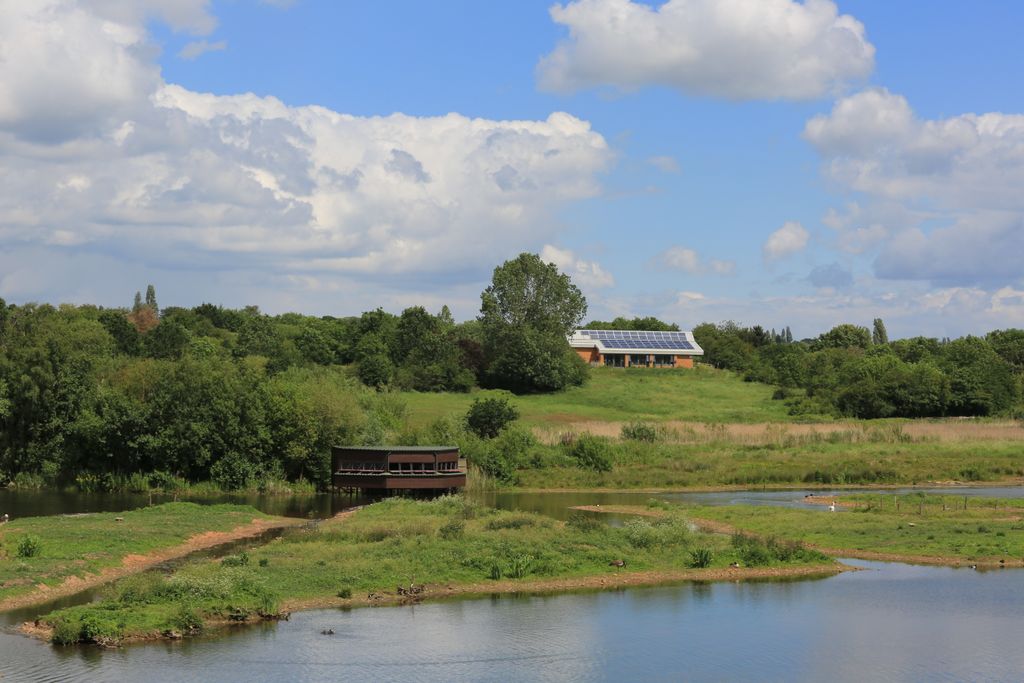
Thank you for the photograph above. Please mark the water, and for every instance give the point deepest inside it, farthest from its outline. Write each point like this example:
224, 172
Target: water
557, 505
891, 622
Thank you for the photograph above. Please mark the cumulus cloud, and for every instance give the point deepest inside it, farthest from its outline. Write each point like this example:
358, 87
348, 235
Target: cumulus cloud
790, 239
96, 150
587, 274
943, 199
198, 48
736, 49
688, 261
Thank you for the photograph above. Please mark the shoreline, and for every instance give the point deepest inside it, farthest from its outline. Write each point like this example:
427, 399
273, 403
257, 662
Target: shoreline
717, 527
548, 586
135, 563
1016, 482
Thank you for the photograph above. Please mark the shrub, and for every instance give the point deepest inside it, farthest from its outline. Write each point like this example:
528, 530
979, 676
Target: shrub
239, 560
495, 571
640, 534
264, 562
29, 545
510, 522
584, 523
520, 566
345, 593
489, 416
452, 529
65, 632
700, 558
187, 620
592, 453
640, 431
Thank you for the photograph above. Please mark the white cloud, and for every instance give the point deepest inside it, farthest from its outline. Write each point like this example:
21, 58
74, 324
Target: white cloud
737, 49
97, 150
942, 197
587, 274
787, 240
682, 259
688, 261
664, 163
197, 48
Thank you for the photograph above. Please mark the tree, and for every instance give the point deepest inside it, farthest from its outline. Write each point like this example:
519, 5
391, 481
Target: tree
844, 336
487, 417
151, 297
526, 314
878, 333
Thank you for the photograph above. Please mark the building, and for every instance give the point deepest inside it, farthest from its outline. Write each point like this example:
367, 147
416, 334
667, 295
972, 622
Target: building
397, 468
636, 348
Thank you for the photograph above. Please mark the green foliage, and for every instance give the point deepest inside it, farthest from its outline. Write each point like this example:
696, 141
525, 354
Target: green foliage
844, 336
647, 323
592, 453
489, 416
452, 529
701, 558
526, 313
584, 523
640, 431
29, 545
239, 560
345, 593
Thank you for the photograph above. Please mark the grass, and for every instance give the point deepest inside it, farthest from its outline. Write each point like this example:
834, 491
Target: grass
834, 462
701, 394
76, 545
914, 527
442, 545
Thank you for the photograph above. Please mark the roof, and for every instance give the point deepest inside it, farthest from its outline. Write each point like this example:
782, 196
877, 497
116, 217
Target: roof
399, 449
637, 341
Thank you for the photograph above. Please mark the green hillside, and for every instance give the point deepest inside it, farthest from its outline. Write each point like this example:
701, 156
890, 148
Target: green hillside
702, 394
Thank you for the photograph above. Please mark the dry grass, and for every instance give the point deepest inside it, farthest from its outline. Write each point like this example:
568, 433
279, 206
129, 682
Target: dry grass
761, 434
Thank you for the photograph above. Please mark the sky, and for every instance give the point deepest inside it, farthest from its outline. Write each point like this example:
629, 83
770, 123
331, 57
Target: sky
771, 162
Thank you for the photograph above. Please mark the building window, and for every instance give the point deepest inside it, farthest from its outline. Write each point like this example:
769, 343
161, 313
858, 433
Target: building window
615, 360
663, 361
638, 360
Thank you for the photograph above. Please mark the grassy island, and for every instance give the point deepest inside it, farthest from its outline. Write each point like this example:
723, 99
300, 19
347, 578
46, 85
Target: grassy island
404, 551
42, 558
918, 528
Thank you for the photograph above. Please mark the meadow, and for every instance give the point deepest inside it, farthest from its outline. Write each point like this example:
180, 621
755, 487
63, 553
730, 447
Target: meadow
946, 529
404, 551
50, 551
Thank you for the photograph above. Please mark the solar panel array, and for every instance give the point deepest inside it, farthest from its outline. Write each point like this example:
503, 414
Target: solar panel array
628, 339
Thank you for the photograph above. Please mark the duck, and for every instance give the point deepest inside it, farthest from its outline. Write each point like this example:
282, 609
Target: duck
617, 563
327, 632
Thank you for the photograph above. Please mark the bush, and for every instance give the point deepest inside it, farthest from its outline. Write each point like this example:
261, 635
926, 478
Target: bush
239, 560
592, 453
640, 534
584, 523
640, 431
700, 558
452, 529
65, 632
29, 545
495, 571
375, 371
510, 522
187, 620
345, 593
489, 416
520, 566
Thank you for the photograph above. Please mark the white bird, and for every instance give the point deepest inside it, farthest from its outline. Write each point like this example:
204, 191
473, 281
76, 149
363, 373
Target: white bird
832, 507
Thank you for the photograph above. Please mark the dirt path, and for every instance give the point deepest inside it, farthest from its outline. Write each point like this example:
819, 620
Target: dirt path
133, 564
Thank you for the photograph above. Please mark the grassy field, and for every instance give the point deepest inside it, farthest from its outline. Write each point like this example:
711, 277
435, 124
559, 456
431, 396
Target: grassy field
615, 394
915, 527
446, 547
862, 460
50, 550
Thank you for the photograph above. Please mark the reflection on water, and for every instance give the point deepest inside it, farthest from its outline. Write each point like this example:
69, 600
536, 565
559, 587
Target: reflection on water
892, 622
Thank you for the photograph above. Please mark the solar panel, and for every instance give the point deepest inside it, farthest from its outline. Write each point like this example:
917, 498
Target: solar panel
641, 339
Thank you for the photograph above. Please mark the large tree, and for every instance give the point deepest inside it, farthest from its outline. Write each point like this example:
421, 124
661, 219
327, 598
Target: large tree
526, 314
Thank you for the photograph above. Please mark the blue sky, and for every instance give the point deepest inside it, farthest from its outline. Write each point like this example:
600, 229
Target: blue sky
768, 161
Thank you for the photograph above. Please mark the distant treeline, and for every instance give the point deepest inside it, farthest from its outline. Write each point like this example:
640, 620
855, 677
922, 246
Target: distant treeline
851, 371
88, 394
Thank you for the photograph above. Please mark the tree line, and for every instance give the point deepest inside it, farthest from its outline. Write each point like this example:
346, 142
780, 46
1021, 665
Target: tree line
856, 372
89, 394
